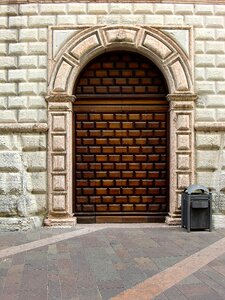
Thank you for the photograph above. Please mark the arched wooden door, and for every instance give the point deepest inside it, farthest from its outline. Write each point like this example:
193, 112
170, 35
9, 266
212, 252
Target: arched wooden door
121, 141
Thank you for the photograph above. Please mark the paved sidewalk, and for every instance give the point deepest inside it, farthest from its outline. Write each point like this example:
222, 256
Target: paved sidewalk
96, 262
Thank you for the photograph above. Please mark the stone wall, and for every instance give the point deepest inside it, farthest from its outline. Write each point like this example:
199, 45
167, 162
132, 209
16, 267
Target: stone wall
23, 86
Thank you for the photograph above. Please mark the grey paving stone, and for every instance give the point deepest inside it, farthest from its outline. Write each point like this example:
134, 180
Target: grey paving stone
174, 294
106, 294
211, 283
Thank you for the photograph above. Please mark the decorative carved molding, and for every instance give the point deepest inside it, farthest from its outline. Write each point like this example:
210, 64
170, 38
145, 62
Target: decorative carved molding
152, 42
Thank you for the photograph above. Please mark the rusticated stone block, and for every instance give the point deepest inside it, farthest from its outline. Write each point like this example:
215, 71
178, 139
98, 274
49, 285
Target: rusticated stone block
204, 9
220, 114
41, 21
28, 115
8, 205
206, 178
18, 49
5, 142
184, 9
35, 161
17, 21
7, 89
28, 62
66, 20
28, 35
32, 142
3, 75
7, 62
77, 8
208, 140
208, 114
98, 8
37, 75
223, 165
49, 9
10, 162
207, 160
17, 102
17, 75
40, 201
8, 35
29, 9
13, 183
28, 88
3, 102
38, 183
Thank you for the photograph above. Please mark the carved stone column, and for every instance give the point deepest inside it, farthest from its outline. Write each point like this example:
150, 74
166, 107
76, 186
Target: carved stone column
182, 172
60, 164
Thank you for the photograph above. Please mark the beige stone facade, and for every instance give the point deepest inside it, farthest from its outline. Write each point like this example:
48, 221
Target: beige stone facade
44, 47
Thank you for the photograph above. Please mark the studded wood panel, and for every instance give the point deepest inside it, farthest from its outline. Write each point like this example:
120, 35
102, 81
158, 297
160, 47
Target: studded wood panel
120, 161
120, 73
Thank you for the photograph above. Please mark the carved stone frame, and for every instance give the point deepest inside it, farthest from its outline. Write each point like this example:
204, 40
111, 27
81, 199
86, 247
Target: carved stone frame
82, 47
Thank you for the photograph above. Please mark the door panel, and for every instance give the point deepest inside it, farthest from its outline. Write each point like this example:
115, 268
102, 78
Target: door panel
121, 163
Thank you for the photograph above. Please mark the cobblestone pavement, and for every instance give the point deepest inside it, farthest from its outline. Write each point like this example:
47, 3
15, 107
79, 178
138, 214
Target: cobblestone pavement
91, 262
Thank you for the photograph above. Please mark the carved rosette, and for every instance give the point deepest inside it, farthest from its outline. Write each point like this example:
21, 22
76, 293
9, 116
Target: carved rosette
60, 159
181, 150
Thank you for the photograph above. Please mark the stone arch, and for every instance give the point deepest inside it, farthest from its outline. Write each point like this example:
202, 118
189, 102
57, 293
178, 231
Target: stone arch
153, 43
86, 44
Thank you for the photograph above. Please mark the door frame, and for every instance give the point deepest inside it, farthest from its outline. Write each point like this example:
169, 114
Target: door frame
65, 67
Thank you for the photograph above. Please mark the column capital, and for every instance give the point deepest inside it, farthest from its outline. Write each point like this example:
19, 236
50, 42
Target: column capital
182, 101
60, 97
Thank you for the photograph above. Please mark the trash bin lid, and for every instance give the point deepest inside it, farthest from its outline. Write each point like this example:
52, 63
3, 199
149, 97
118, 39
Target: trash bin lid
194, 187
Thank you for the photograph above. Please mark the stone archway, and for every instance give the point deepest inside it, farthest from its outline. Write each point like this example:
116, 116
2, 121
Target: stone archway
84, 45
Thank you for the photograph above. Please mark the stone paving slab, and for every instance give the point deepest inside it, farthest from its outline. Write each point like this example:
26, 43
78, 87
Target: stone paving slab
102, 264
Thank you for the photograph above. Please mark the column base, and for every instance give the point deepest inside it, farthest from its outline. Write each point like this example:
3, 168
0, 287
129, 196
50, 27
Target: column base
174, 218
60, 221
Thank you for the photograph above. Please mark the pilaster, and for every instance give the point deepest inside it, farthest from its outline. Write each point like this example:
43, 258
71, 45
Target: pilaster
181, 150
60, 179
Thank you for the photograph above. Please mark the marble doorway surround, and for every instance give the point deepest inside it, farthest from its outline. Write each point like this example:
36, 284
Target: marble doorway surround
70, 49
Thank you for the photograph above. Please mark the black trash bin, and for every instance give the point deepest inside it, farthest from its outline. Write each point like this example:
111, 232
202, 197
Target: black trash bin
196, 208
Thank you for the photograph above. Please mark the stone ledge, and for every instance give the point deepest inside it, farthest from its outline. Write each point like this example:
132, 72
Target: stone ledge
210, 126
60, 221
23, 127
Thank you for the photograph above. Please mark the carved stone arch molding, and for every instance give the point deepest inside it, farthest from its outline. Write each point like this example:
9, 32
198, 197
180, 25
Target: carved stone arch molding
84, 43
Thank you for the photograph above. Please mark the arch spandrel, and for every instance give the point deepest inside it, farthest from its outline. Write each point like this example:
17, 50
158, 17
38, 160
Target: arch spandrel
149, 41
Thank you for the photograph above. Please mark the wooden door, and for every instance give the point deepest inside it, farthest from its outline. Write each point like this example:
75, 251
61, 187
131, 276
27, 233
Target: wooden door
121, 163
120, 141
